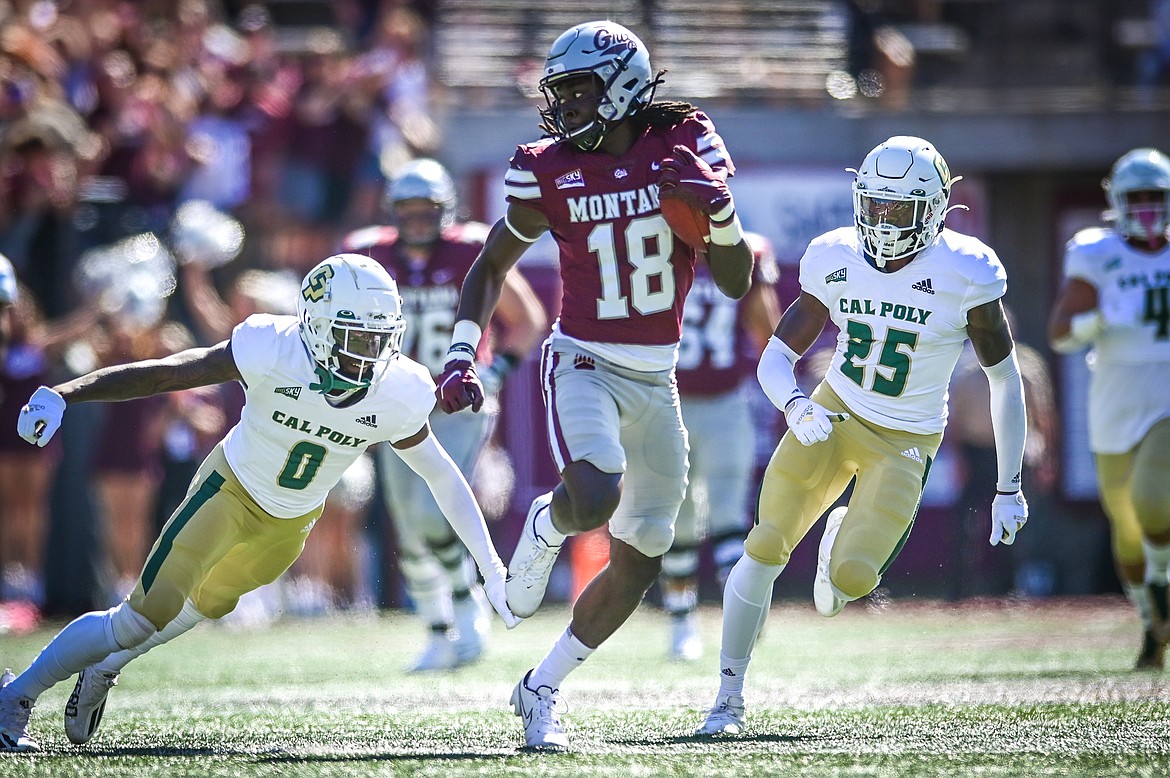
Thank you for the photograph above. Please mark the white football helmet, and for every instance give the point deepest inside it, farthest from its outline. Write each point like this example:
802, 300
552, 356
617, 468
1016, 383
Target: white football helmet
1140, 170
423, 179
900, 197
350, 321
621, 64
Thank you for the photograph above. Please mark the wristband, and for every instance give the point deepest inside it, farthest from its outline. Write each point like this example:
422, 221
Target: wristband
729, 234
465, 338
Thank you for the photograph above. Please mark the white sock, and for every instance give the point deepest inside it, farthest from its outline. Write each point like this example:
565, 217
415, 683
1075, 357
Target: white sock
1139, 595
188, 618
1157, 561
567, 654
731, 675
82, 642
746, 600
546, 529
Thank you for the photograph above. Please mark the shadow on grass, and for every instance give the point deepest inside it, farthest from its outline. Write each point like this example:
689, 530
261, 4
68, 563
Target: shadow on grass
154, 751
1023, 676
342, 758
275, 756
709, 740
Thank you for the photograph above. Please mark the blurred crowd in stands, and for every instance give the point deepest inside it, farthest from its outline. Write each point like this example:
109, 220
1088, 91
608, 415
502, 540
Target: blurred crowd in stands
113, 115
279, 139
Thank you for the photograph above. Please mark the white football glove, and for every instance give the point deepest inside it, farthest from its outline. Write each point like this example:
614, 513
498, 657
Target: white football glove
40, 419
493, 586
809, 422
1009, 514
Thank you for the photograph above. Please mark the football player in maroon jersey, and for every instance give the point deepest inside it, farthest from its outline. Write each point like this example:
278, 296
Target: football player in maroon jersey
612, 406
429, 251
721, 344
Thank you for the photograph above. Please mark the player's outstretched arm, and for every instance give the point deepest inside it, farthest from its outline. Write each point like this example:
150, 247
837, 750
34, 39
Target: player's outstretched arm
992, 339
41, 417
425, 456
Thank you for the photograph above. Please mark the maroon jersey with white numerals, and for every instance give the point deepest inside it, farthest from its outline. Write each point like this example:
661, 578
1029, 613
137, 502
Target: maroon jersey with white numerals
717, 352
624, 274
430, 290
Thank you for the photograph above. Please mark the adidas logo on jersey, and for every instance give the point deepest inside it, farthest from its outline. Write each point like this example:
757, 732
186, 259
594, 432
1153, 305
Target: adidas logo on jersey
289, 391
582, 362
836, 275
912, 453
369, 421
923, 286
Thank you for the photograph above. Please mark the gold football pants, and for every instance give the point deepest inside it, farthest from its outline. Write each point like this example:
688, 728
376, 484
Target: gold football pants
217, 546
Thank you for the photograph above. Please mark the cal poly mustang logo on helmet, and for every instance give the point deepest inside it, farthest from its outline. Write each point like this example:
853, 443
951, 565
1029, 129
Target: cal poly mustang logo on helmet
316, 285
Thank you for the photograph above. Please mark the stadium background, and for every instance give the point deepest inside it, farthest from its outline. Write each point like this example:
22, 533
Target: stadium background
1029, 100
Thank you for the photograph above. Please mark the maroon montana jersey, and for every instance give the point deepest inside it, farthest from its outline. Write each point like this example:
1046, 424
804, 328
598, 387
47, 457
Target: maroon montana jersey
624, 274
717, 351
430, 291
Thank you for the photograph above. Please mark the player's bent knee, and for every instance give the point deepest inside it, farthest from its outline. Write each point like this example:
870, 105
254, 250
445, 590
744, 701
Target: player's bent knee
1151, 503
854, 578
215, 608
766, 544
130, 627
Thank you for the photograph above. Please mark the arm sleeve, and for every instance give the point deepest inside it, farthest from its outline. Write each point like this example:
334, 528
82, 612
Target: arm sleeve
453, 495
776, 373
1009, 420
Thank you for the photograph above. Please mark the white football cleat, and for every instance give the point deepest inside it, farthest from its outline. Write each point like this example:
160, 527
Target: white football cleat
531, 564
541, 710
438, 654
473, 621
14, 712
725, 718
827, 602
685, 645
83, 711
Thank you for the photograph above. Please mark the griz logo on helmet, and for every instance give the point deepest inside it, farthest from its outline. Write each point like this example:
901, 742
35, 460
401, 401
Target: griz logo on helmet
608, 42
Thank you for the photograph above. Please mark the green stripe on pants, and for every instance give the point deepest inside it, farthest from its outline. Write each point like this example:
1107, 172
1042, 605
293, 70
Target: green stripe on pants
207, 490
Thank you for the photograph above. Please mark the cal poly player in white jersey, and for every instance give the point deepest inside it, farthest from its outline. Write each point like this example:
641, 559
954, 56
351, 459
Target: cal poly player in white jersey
1116, 297
905, 295
319, 389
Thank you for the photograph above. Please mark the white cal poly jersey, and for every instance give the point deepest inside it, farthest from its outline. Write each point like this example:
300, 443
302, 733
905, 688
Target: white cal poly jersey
1127, 391
900, 333
290, 446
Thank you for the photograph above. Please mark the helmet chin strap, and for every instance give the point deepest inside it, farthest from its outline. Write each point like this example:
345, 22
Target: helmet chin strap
328, 382
589, 137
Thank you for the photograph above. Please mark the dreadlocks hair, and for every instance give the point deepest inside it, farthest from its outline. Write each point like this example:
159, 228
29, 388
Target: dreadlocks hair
663, 113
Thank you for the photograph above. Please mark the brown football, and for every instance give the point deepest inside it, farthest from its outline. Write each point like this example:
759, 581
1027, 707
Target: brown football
688, 223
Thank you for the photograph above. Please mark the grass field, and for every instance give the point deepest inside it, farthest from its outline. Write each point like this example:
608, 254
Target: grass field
1001, 688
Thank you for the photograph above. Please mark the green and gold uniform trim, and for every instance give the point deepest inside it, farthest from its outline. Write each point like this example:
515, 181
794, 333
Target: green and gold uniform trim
208, 489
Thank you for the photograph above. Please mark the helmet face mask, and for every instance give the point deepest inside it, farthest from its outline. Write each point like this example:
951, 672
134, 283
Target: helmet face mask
1138, 191
416, 184
900, 197
624, 82
351, 322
